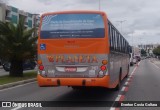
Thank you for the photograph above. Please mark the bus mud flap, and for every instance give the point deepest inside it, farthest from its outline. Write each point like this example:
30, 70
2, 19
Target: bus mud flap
83, 82
58, 82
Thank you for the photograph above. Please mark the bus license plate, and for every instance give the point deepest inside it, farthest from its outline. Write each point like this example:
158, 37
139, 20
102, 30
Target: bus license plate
70, 69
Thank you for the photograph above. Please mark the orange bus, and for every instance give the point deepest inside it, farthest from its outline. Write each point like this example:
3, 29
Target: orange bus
81, 48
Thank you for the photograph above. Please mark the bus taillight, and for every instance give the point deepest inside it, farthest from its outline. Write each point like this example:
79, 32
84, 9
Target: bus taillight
41, 67
101, 73
103, 67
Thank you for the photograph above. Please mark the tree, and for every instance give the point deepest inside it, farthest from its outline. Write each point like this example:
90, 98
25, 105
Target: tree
156, 51
17, 45
143, 52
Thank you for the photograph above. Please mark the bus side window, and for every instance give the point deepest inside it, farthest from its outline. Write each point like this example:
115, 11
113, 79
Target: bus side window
119, 43
110, 36
116, 41
125, 46
113, 39
115, 35
122, 44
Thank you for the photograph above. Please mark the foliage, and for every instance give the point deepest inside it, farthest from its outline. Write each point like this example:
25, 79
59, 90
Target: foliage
7, 79
17, 45
156, 51
143, 52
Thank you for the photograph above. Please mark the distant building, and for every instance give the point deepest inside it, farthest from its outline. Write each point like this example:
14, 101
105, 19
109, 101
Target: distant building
36, 22
148, 48
12, 14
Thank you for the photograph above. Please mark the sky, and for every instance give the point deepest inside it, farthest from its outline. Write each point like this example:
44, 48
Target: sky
140, 18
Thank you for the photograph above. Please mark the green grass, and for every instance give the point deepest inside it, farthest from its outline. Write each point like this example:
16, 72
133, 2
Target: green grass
27, 75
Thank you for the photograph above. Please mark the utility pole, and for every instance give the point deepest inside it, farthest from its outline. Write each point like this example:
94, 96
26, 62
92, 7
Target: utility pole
121, 21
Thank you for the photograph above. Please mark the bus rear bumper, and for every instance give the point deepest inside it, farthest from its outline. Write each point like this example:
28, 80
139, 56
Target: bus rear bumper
97, 82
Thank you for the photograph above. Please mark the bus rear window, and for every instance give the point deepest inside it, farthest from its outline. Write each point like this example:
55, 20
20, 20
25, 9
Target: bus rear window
72, 26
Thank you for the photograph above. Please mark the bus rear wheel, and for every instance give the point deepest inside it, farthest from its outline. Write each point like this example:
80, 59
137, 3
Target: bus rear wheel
117, 87
76, 87
119, 81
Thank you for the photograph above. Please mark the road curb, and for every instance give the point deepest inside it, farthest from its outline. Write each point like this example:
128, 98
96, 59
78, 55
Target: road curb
17, 83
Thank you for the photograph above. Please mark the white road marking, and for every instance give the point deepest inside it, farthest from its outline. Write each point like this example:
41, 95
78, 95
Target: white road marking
128, 79
119, 96
112, 108
123, 88
126, 83
16, 108
134, 70
16, 86
130, 76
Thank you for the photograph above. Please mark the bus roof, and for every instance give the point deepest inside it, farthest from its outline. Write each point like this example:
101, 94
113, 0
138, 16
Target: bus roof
78, 11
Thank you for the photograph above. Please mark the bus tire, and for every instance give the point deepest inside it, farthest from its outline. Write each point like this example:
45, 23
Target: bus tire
117, 88
76, 87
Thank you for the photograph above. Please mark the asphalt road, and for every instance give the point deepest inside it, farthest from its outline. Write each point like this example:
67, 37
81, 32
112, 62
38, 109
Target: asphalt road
144, 86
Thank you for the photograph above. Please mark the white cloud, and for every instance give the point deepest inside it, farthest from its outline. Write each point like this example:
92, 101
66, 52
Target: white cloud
142, 17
